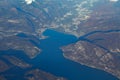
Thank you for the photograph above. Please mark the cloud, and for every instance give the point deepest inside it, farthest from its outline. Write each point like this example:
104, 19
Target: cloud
114, 0
29, 1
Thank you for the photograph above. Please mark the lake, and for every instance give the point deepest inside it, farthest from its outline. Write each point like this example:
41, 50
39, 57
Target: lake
52, 60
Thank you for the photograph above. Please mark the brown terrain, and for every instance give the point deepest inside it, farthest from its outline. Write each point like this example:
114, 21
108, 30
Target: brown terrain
100, 51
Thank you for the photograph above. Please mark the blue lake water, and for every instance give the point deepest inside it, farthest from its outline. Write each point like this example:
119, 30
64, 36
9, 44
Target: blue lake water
52, 60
